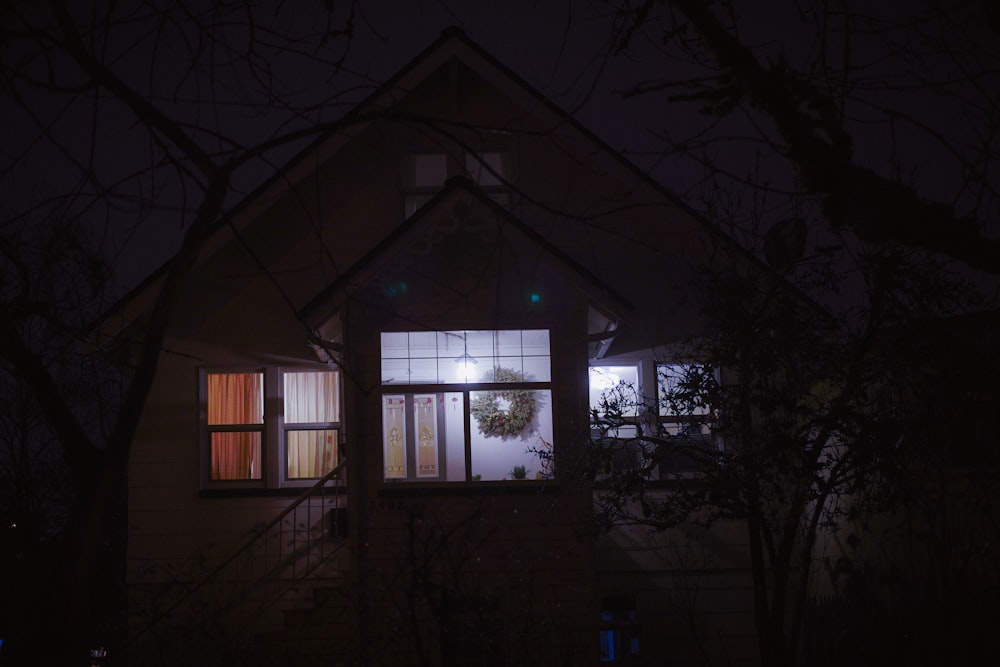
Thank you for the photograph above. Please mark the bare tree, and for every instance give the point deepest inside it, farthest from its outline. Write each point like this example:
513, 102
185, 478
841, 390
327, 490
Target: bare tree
888, 114
152, 115
791, 419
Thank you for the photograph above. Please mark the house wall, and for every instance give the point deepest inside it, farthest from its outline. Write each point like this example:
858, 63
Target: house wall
506, 568
508, 564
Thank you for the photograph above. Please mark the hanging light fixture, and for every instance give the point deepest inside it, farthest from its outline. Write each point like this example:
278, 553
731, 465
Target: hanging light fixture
465, 363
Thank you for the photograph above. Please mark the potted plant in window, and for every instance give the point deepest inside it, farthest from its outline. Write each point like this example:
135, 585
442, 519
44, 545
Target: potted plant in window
518, 472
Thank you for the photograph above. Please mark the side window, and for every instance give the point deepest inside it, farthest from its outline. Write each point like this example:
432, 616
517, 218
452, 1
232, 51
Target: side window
615, 401
684, 414
271, 426
466, 405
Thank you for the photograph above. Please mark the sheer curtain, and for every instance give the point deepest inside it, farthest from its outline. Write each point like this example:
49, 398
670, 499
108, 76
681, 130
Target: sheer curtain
236, 399
311, 398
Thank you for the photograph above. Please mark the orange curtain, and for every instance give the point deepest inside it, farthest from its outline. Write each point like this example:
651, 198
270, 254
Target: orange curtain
236, 399
236, 455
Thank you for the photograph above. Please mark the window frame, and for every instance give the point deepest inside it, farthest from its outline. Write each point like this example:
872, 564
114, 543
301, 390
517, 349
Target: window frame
633, 420
440, 390
708, 438
458, 162
274, 430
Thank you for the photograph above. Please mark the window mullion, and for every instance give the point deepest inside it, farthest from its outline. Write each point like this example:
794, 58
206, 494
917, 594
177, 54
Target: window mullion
273, 444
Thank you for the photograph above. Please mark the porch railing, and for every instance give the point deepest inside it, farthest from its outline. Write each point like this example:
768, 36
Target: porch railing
231, 598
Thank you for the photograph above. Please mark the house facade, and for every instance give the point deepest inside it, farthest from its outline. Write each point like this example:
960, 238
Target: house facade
363, 441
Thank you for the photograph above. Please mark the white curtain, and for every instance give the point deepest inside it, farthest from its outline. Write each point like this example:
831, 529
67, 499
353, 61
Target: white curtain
311, 398
311, 454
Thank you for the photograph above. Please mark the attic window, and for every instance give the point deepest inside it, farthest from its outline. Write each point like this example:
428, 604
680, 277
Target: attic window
485, 169
425, 173
490, 171
430, 170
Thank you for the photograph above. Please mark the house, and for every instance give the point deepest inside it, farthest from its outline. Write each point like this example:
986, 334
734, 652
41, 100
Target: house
359, 445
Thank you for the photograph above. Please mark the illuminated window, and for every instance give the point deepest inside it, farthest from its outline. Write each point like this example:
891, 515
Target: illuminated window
303, 420
615, 401
466, 405
235, 424
619, 633
312, 416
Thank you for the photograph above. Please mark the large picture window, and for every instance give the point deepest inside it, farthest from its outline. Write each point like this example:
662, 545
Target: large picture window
271, 426
466, 405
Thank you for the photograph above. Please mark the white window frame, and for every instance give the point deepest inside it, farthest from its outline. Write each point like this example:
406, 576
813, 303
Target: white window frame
274, 430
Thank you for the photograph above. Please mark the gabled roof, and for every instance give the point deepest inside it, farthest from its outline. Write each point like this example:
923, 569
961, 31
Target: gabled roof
454, 200
382, 105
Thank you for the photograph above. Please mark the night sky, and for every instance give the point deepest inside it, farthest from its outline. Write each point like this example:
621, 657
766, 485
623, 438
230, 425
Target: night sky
568, 49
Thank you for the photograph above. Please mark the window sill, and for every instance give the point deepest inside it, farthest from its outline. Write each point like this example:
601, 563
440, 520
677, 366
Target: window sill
260, 492
502, 487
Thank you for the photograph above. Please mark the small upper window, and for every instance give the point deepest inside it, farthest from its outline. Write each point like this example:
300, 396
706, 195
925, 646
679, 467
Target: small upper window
430, 170
424, 174
486, 169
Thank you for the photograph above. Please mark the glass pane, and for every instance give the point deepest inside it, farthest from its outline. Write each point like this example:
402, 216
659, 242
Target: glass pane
482, 167
395, 345
429, 170
235, 455
454, 436
508, 343
452, 357
312, 397
616, 385
394, 436
310, 454
423, 371
235, 398
679, 390
537, 369
481, 345
395, 371
423, 344
425, 423
509, 369
511, 434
